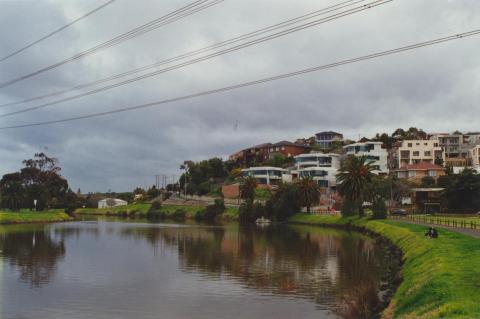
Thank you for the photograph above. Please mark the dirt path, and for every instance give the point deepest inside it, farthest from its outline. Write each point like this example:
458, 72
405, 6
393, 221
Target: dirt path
467, 231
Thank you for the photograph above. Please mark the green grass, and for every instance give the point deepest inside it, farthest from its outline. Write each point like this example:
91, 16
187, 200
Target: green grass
141, 209
27, 216
441, 277
131, 208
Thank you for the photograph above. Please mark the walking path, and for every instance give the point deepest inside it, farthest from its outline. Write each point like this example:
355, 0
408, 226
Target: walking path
467, 231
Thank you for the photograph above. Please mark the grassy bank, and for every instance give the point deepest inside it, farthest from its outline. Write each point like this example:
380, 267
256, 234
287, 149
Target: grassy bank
141, 209
441, 277
27, 216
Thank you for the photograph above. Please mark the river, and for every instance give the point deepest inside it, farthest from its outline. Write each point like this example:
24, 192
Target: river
132, 269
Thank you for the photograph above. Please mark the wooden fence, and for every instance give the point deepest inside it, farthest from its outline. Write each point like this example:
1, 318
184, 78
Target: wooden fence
444, 221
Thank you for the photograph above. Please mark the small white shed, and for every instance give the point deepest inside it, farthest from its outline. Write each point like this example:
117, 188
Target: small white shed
111, 202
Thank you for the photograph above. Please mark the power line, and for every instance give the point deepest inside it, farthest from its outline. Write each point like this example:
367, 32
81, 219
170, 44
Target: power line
257, 82
207, 57
190, 9
194, 52
56, 31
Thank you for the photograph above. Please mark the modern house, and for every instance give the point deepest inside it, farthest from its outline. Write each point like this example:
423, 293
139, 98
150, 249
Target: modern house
267, 175
415, 172
317, 160
326, 140
374, 152
418, 151
287, 149
111, 202
322, 168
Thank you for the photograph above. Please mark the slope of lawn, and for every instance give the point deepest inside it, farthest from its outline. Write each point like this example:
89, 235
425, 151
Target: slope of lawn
141, 209
441, 277
27, 216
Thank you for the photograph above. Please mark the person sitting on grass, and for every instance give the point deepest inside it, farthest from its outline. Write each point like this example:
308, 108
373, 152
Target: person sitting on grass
432, 232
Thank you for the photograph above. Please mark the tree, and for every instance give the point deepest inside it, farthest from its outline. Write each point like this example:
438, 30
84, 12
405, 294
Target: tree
354, 180
247, 188
309, 192
38, 180
462, 191
284, 203
428, 181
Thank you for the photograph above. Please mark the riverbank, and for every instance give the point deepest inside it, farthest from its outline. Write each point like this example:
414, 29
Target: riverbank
441, 277
141, 210
28, 217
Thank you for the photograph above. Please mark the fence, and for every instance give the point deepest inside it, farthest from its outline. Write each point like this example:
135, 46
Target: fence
443, 221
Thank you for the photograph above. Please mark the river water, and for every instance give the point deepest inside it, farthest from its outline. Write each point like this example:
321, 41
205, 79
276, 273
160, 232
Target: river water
117, 269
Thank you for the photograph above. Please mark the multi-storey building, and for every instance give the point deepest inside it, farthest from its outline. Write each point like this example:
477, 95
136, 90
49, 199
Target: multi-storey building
322, 168
317, 160
419, 151
252, 155
326, 140
455, 148
374, 152
474, 156
287, 149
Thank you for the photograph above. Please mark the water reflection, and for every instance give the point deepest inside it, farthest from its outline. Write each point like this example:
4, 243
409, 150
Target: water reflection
341, 273
33, 253
345, 273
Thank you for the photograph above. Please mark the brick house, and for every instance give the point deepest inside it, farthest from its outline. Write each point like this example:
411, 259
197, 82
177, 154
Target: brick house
287, 149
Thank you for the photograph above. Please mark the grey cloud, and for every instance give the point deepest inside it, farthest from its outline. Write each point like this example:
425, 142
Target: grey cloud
434, 88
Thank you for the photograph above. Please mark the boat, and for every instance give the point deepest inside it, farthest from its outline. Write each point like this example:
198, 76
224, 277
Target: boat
263, 221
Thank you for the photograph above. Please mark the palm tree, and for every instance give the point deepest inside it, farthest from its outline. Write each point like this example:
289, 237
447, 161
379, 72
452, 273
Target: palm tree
309, 192
354, 179
247, 188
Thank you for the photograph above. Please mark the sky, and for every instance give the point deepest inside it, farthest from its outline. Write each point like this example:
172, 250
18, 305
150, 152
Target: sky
435, 88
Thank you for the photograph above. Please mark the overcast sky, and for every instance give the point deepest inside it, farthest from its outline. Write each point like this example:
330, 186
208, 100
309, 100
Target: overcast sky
435, 88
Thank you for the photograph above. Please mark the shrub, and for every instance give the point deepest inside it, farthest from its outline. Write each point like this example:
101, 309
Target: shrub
154, 212
349, 208
212, 211
379, 209
179, 215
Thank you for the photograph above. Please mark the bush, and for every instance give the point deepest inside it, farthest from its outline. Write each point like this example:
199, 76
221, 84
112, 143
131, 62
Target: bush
349, 208
212, 211
179, 215
379, 209
154, 212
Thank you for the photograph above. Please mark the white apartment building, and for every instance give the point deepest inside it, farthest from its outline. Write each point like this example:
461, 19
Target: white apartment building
374, 152
322, 168
267, 175
419, 151
317, 160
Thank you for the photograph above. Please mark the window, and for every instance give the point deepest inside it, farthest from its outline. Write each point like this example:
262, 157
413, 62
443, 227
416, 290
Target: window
416, 153
417, 143
409, 144
432, 173
426, 144
435, 144
323, 184
412, 174
427, 153
283, 148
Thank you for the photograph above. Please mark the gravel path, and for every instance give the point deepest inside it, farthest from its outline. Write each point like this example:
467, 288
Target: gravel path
467, 231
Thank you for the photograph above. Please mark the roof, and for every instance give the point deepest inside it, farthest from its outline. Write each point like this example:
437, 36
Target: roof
329, 132
428, 189
423, 166
317, 154
287, 143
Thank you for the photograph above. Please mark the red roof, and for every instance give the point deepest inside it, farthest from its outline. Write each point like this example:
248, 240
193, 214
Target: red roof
423, 166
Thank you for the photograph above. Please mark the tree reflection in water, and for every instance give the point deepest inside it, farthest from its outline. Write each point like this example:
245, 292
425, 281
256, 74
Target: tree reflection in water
33, 253
341, 272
